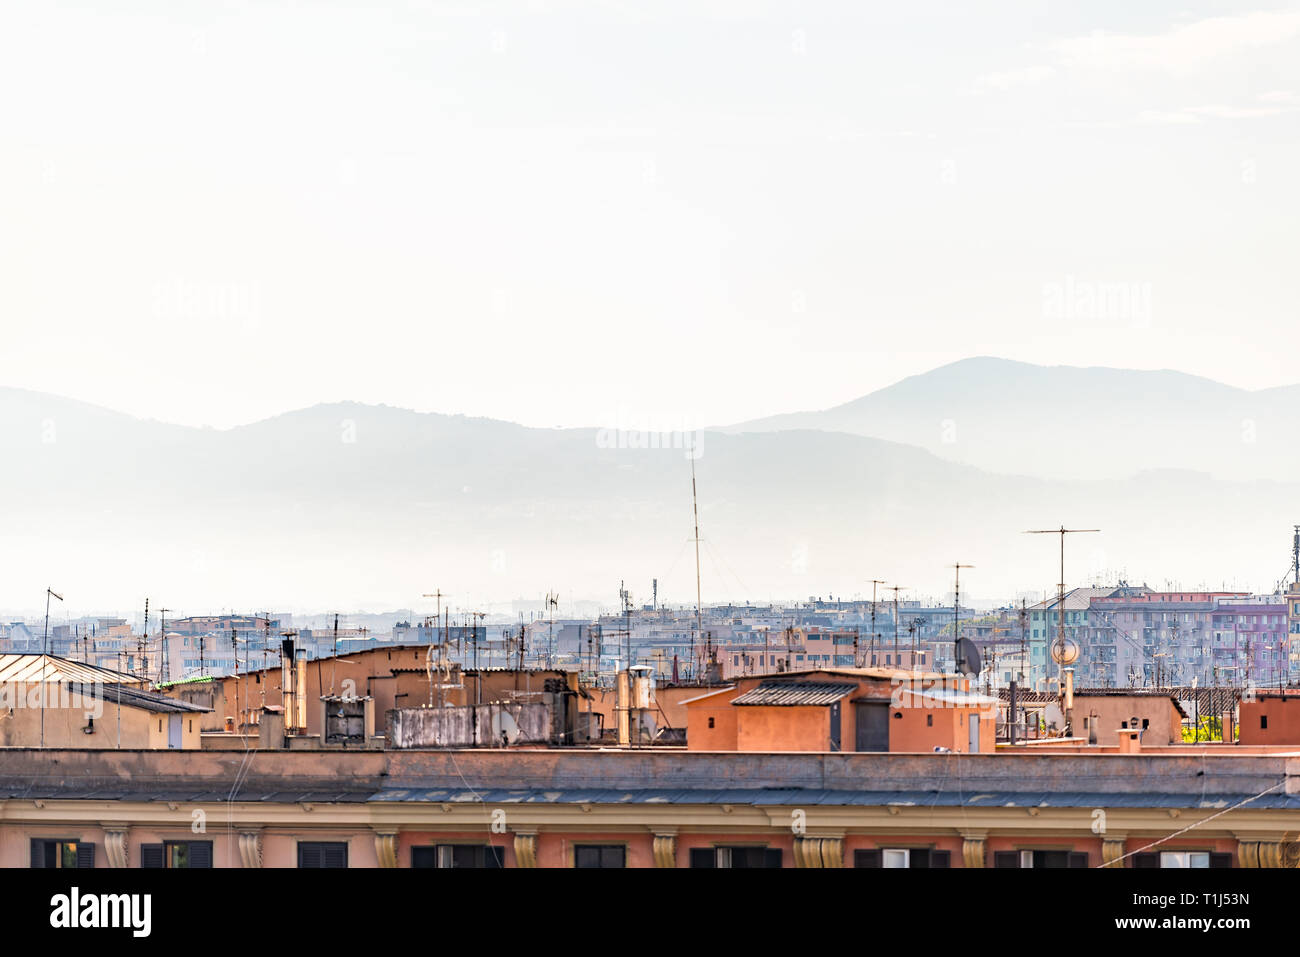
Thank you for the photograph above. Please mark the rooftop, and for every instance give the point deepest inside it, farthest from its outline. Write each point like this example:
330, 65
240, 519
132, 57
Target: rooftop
51, 668
1267, 779
134, 697
795, 693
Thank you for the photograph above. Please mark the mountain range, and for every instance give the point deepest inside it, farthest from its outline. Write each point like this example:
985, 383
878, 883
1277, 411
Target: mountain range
349, 506
1069, 422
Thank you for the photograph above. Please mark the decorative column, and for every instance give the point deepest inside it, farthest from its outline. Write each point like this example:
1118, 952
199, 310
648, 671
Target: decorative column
1112, 849
665, 850
972, 848
386, 848
115, 844
250, 848
832, 849
818, 852
1260, 854
801, 855
525, 848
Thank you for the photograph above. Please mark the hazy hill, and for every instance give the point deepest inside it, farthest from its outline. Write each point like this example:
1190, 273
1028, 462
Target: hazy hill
1066, 422
346, 505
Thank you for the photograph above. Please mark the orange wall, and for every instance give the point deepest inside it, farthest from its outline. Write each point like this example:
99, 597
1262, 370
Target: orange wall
716, 708
924, 729
1283, 721
1166, 723
782, 728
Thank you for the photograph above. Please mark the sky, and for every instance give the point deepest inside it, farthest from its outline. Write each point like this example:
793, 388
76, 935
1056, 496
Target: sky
678, 214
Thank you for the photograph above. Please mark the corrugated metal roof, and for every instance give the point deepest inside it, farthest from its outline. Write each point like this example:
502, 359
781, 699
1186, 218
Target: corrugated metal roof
137, 698
34, 667
791, 693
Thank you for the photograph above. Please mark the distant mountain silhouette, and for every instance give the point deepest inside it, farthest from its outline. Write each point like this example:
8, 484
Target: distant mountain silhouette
345, 505
1067, 422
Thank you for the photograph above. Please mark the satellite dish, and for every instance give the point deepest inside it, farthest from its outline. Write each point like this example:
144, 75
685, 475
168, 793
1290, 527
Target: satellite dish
1065, 651
968, 657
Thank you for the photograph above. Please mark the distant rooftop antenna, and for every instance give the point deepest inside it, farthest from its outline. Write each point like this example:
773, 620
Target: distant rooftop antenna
958, 648
695, 508
1295, 554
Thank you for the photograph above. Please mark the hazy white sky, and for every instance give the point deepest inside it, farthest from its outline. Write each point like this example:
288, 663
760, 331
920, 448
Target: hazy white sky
676, 213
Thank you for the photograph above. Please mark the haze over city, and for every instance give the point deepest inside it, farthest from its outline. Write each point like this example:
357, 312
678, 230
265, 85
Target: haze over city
662, 435
524, 215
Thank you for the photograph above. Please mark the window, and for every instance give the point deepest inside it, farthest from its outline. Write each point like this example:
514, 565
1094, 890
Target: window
188, 854
322, 854
599, 855
1030, 858
735, 857
458, 855
912, 857
1182, 859
929, 721
1263, 722
62, 853
895, 857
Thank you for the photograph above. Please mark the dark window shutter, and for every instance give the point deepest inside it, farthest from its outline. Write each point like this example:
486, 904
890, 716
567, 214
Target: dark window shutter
586, 857
941, 858
495, 857
1220, 860
151, 855
424, 857
1078, 859
1006, 858
38, 853
772, 857
85, 855
704, 857
1146, 860
335, 855
201, 854
866, 858
308, 855
612, 857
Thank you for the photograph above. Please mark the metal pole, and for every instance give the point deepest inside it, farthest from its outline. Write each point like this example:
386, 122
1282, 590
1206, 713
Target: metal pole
699, 612
45, 650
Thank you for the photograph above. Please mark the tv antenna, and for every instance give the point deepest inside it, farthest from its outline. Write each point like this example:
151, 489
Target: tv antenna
957, 647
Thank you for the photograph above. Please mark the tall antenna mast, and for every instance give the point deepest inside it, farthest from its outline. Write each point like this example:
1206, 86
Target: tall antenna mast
1295, 554
1060, 607
874, 634
956, 615
430, 666
164, 668
896, 589
552, 601
144, 644
699, 608
1024, 629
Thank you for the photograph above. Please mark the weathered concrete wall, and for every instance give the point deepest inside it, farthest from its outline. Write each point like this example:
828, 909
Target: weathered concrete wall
482, 726
52, 770
28, 771
972, 773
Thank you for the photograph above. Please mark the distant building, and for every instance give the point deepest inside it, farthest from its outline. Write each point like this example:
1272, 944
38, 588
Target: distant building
851, 709
52, 702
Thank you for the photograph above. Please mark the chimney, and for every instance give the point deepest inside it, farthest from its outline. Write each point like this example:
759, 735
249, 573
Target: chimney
1130, 741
